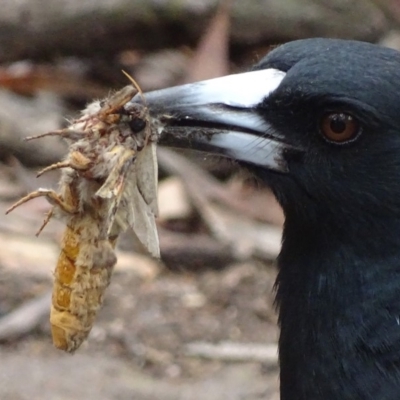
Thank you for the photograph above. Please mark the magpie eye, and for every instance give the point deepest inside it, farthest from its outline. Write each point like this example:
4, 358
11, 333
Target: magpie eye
137, 124
339, 127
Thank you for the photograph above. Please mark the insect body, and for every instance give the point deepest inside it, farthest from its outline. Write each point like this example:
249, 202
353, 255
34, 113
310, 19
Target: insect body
108, 183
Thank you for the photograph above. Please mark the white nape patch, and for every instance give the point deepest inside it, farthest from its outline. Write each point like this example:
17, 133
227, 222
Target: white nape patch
243, 90
261, 151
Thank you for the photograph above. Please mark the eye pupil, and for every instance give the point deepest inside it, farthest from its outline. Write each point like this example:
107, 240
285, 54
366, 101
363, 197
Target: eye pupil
338, 123
339, 127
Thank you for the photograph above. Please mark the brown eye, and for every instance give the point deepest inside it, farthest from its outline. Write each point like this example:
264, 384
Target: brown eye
339, 127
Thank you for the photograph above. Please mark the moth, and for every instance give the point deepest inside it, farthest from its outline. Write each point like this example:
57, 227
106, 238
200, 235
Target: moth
108, 184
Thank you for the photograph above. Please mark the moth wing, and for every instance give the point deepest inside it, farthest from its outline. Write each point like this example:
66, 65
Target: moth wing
131, 189
125, 217
144, 224
135, 212
113, 188
147, 176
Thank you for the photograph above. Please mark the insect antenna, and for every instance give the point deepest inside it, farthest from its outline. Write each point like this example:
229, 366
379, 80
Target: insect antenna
136, 85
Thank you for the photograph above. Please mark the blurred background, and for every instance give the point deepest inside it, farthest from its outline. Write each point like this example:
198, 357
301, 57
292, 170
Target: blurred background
201, 323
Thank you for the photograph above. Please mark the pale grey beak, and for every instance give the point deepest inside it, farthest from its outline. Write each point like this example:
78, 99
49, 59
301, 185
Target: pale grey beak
220, 116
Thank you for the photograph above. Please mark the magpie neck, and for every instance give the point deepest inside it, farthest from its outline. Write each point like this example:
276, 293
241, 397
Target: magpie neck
338, 310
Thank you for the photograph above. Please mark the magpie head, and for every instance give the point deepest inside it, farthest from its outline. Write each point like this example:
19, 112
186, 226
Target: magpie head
317, 119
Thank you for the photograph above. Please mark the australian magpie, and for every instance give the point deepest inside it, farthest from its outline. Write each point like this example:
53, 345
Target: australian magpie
318, 120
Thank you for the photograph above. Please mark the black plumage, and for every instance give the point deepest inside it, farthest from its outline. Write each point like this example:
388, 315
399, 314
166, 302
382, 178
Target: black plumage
338, 285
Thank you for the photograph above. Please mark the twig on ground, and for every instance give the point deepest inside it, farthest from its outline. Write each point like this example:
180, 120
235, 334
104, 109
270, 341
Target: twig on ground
233, 351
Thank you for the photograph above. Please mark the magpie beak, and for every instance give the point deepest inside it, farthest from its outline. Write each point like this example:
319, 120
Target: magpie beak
220, 116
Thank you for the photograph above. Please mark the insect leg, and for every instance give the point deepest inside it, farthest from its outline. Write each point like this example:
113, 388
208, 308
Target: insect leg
61, 164
65, 133
51, 196
46, 220
76, 161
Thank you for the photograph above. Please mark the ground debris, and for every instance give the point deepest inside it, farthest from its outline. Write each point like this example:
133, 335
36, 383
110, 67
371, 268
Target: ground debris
231, 351
25, 318
219, 210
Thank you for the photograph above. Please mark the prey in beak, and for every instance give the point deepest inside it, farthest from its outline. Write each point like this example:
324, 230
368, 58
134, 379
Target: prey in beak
220, 116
